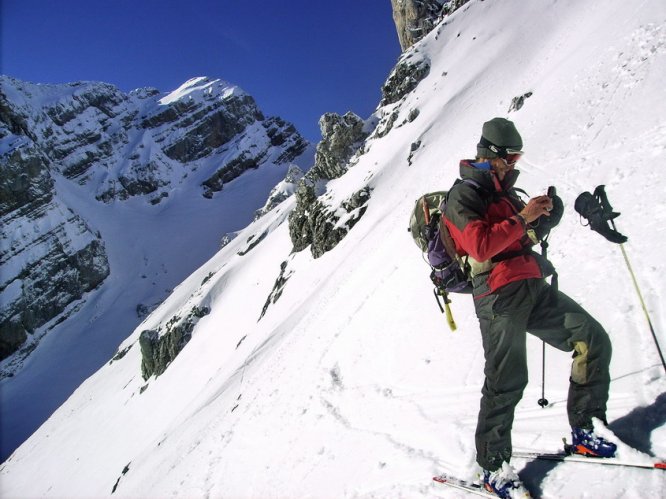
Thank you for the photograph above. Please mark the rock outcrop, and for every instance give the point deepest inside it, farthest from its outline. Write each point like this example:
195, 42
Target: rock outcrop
404, 78
314, 222
342, 136
160, 348
321, 226
416, 18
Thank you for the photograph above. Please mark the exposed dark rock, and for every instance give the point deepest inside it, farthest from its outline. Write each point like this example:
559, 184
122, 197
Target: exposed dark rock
314, 224
42, 272
39, 298
168, 114
342, 136
278, 287
87, 130
414, 19
386, 123
300, 219
278, 130
25, 182
282, 135
159, 348
230, 171
252, 243
207, 278
120, 354
103, 97
412, 149
213, 130
404, 78
517, 102
124, 472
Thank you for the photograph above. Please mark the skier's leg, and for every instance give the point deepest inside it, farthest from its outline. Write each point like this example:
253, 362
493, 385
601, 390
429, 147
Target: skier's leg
503, 318
564, 324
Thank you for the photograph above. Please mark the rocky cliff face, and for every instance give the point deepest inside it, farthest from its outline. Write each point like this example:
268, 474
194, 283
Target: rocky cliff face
112, 147
49, 255
313, 222
416, 18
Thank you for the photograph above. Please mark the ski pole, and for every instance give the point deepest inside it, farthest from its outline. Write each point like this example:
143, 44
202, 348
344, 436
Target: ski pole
601, 193
543, 402
640, 297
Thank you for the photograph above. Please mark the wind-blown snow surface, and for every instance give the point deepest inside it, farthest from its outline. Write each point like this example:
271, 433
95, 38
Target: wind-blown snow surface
351, 385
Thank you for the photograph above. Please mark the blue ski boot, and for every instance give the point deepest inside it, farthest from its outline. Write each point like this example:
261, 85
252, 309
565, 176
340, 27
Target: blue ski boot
505, 483
587, 443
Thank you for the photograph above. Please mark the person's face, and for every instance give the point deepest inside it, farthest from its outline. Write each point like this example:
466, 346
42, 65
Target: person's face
502, 166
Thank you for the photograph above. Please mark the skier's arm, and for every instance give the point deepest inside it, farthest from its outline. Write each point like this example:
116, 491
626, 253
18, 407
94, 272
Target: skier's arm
469, 226
536, 207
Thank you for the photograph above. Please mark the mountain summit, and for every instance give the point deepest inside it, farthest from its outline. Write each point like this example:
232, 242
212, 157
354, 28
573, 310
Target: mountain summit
101, 144
108, 201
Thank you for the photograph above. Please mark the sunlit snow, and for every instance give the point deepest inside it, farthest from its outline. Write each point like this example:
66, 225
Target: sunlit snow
351, 385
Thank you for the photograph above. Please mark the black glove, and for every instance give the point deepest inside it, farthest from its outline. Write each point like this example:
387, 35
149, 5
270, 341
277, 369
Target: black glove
598, 212
544, 224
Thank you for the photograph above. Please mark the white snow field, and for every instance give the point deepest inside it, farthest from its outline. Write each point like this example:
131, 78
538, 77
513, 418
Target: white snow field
351, 385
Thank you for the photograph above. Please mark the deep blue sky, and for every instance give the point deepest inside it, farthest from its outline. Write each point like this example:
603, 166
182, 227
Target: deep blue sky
298, 58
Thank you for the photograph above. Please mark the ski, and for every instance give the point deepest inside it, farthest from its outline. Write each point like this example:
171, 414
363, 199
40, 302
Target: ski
612, 461
456, 483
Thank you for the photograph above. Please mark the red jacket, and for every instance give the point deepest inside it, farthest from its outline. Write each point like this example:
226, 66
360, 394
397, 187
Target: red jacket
481, 215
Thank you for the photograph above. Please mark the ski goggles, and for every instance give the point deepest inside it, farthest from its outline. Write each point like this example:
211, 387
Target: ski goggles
509, 154
512, 158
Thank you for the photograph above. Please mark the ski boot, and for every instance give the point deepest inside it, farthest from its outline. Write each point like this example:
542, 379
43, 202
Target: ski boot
587, 443
505, 483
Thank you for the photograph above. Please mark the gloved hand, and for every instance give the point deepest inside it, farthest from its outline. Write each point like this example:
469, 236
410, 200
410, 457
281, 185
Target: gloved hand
545, 223
591, 208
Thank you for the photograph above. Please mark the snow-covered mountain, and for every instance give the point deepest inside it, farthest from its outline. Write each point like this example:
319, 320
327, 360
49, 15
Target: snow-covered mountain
332, 373
109, 200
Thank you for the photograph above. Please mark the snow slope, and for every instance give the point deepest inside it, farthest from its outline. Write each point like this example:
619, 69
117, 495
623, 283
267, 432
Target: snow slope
351, 385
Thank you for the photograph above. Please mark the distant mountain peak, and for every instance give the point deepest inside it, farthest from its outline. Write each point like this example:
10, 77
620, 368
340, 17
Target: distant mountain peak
102, 145
202, 86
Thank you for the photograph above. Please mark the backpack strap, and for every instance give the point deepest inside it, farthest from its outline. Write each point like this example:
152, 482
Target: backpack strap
447, 240
507, 255
468, 181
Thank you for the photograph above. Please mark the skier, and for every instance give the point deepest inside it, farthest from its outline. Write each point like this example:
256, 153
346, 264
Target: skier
494, 231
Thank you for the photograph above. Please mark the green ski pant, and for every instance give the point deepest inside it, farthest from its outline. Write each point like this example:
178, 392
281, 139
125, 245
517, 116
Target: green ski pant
505, 316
